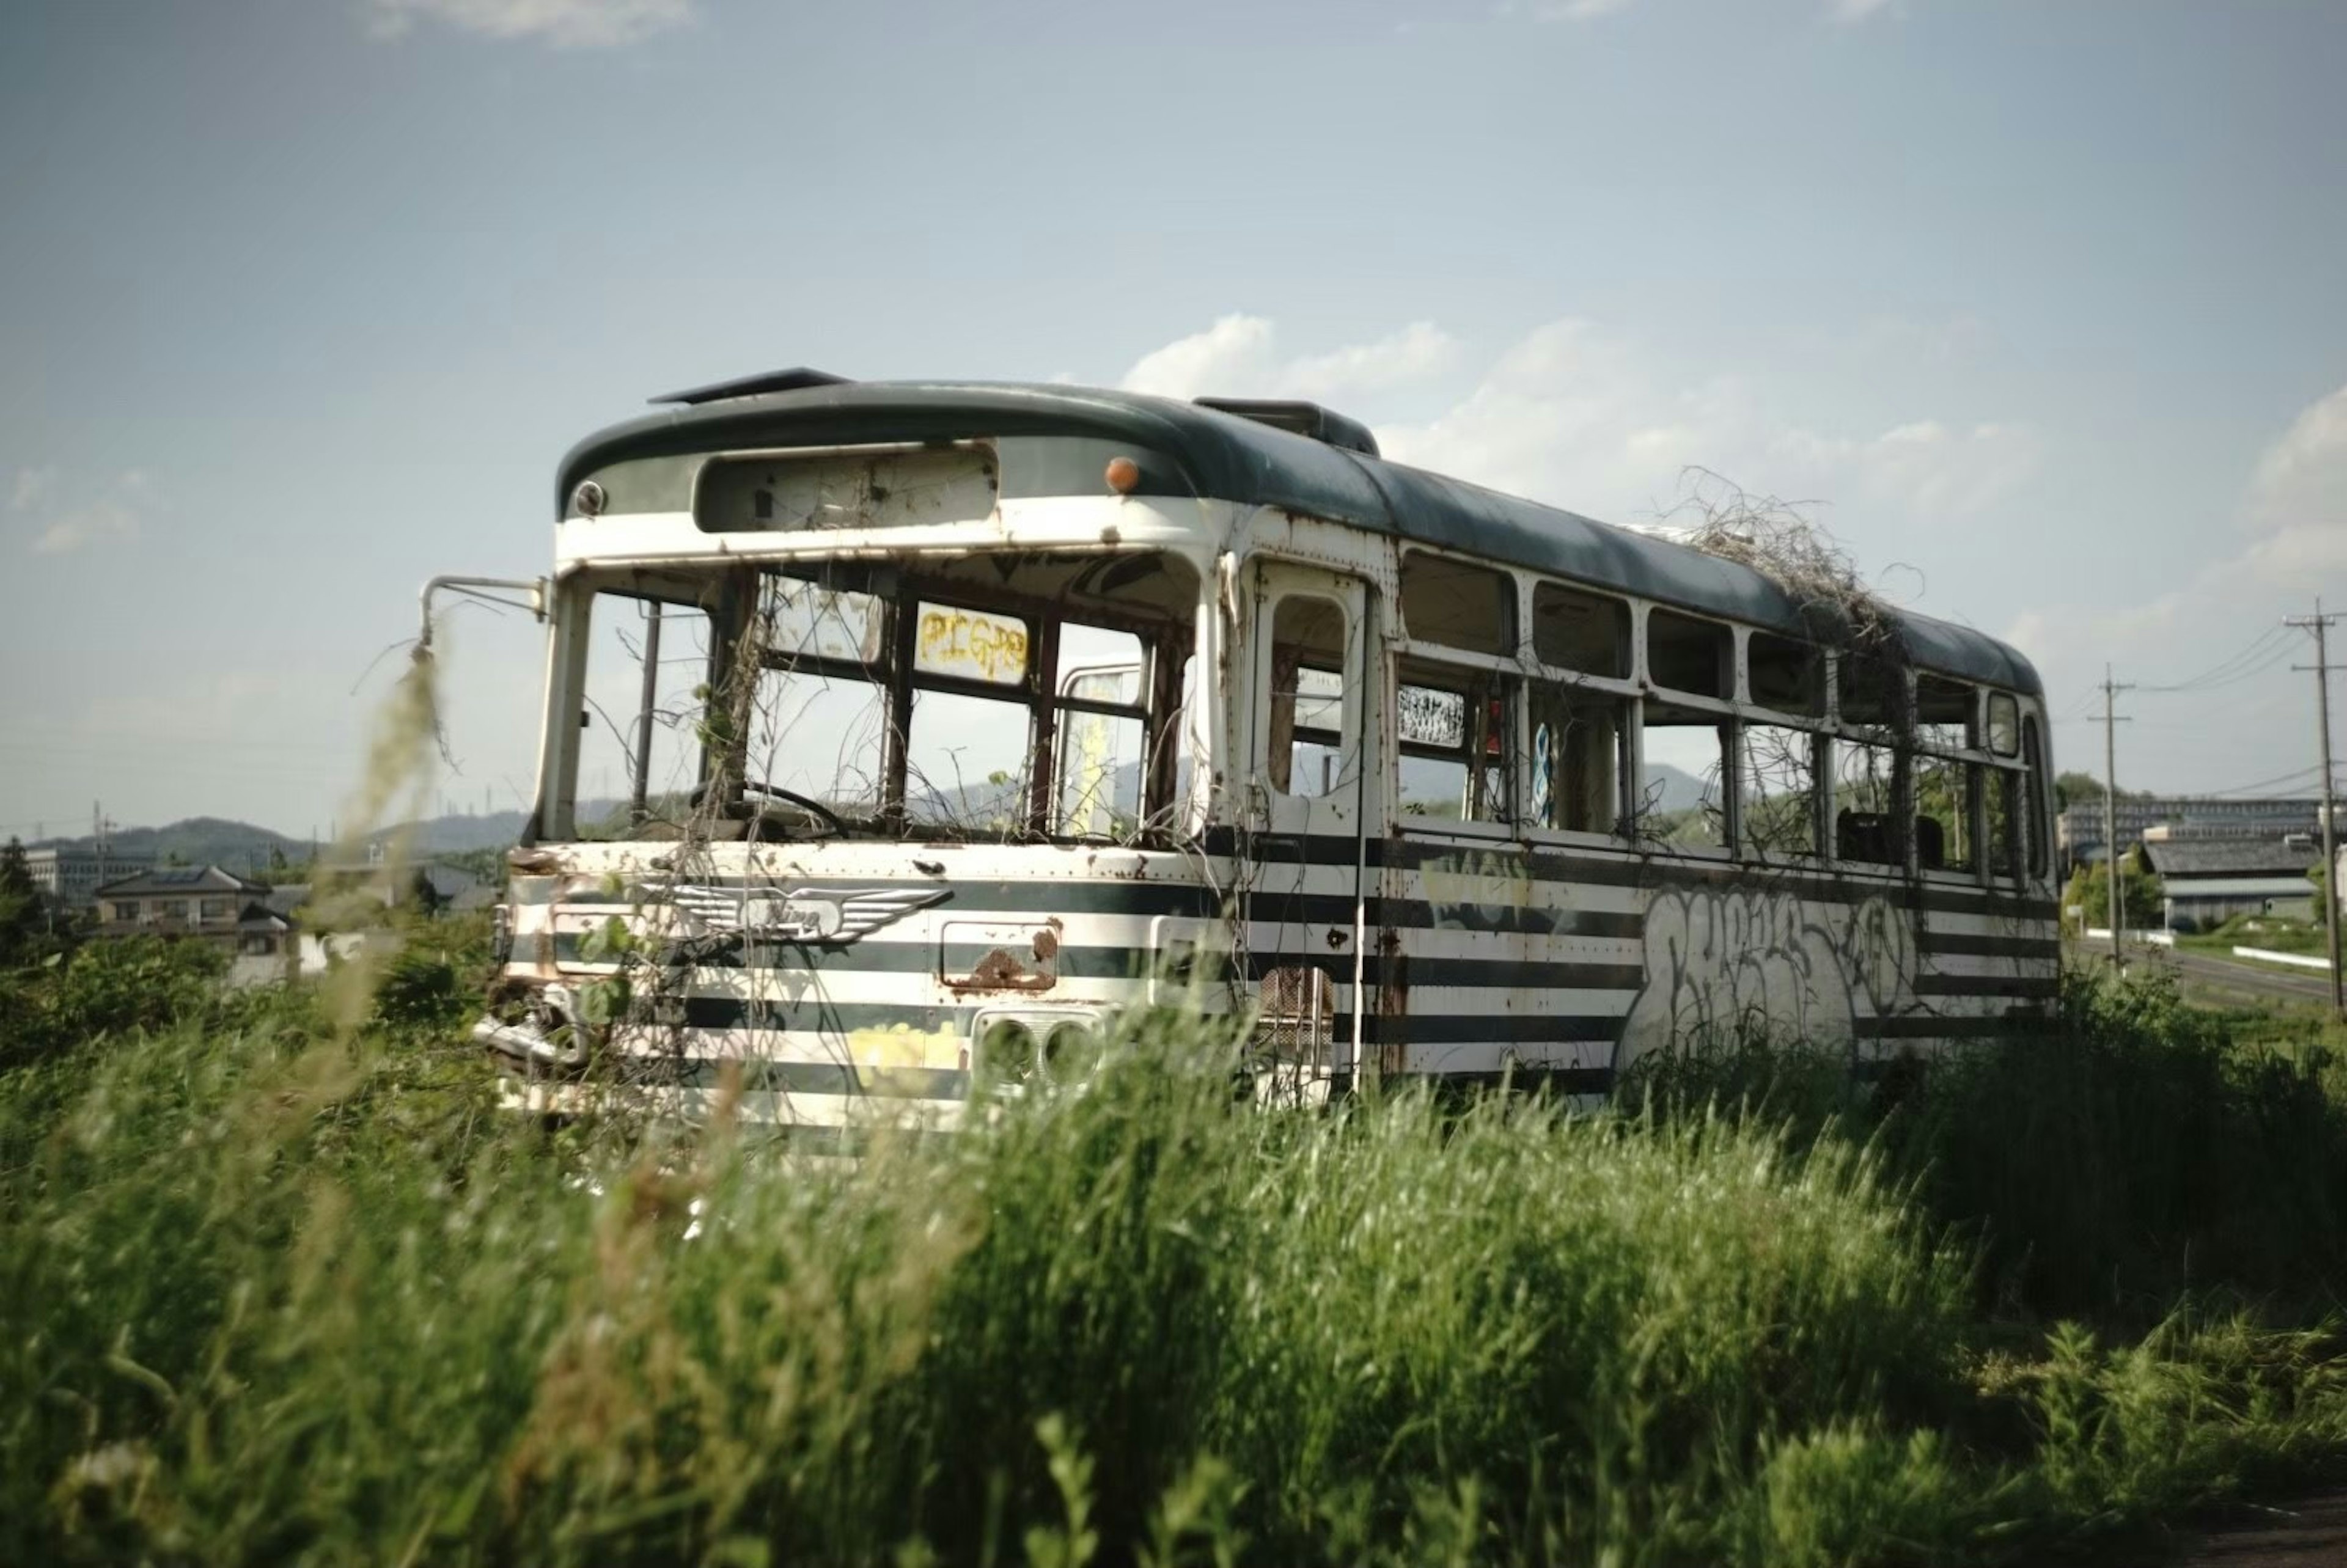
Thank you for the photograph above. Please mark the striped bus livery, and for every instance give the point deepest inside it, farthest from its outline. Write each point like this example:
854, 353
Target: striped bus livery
959, 719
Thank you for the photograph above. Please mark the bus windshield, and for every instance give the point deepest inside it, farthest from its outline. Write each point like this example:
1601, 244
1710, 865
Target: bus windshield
1003, 697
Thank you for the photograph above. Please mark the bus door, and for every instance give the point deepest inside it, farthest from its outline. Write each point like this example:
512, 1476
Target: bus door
1311, 790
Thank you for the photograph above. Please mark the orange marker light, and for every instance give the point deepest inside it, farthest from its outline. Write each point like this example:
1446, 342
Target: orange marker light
1123, 476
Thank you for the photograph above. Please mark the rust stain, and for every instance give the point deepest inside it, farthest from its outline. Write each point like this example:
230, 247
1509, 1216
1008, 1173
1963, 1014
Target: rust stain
1000, 970
1393, 994
1047, 944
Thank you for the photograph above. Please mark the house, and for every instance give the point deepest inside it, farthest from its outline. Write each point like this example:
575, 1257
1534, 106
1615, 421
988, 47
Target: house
2209, 880
2079, 831
200, 901
69, 877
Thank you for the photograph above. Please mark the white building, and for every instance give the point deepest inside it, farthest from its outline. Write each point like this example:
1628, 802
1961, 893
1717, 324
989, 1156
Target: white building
68, 876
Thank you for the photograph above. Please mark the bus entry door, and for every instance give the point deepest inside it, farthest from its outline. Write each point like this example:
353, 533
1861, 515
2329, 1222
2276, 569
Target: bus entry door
1312, 787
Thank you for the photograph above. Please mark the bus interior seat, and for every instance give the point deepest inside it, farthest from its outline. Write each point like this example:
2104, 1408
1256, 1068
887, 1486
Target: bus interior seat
1864, 836
1931, 843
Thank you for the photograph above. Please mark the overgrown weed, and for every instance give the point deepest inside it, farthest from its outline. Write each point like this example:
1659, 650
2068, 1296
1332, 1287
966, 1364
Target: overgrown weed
271, 1292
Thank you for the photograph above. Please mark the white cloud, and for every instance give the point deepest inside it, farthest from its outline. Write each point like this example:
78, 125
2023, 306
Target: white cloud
113, 513
2252, 724
1579, 10
1856, 10
2302, 478
566, 24
1236, 357
1571, 414
30, 488
1233, 355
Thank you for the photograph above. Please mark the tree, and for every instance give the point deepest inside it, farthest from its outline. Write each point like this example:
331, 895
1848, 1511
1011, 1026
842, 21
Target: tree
425, 894
24, 914
2143, 896
2074, 788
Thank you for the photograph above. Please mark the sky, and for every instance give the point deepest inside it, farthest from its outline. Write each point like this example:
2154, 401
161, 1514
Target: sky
2036, 308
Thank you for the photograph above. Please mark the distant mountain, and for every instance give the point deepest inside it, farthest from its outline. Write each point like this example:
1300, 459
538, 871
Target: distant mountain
243, 847
1681, 790
199, 841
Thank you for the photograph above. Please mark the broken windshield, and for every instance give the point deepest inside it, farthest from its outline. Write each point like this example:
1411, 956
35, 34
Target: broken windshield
1000, 697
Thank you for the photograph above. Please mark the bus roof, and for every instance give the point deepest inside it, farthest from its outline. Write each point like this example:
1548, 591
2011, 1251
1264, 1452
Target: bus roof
1190, 450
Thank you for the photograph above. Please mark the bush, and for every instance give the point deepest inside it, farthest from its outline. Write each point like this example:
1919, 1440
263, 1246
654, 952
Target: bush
101, 988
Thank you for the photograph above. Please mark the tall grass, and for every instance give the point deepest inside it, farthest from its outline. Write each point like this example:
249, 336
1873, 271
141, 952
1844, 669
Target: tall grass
269, 1292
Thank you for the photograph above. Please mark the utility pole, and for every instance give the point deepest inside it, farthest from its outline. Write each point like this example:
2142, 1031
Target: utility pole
2114, 893
2320, 623
637, 806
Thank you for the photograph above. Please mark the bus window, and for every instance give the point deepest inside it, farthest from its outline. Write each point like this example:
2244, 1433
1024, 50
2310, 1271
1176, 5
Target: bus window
1582, 631
623, 712
919, 702
1683, 797
1453, 728
1943, 793
1097, 758
2004, 725
1945, 723
1576, 738
1874, 694
1457, 605
818, 721
1308, 697
1866, 822
2001, 799
1786, 676
1779, 781
1689, 655
2033, 763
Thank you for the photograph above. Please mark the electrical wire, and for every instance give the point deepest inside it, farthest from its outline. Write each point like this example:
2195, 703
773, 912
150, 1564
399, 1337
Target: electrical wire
2269, 649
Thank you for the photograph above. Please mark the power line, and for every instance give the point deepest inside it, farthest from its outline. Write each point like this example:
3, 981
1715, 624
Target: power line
2289, 778
2273, 645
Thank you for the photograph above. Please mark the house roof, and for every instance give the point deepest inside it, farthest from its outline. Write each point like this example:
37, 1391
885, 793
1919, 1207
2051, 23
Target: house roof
2195, 857
1052, 441
2241, 887
188, 880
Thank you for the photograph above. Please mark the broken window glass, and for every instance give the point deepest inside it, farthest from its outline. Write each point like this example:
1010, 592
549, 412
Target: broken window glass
1306, 755
1454, 731
1687, 654
1778, 779
626, 629
1587, 633
1943, 830
1785, 675
1458, 605
2002, 797
1683, 798
889, 701
1576, 740
1099, 759
1865, 805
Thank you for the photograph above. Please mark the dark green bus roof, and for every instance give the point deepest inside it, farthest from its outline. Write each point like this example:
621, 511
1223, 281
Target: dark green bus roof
1055, 440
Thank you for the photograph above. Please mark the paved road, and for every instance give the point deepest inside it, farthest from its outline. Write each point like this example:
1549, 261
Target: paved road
2308, 1533
2251, 980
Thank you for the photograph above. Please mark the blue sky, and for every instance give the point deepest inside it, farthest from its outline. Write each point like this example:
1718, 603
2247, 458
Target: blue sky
300, 303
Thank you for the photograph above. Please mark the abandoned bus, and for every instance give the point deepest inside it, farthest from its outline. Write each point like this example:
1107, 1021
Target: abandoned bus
898, 735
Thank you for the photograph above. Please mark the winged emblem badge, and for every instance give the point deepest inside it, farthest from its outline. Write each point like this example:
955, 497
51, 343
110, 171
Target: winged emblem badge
833, 917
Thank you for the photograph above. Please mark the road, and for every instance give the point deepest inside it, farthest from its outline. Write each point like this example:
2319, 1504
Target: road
2255, 981
2310, 1534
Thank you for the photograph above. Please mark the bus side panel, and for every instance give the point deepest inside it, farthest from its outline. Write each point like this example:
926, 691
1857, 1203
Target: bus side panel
1571, 965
